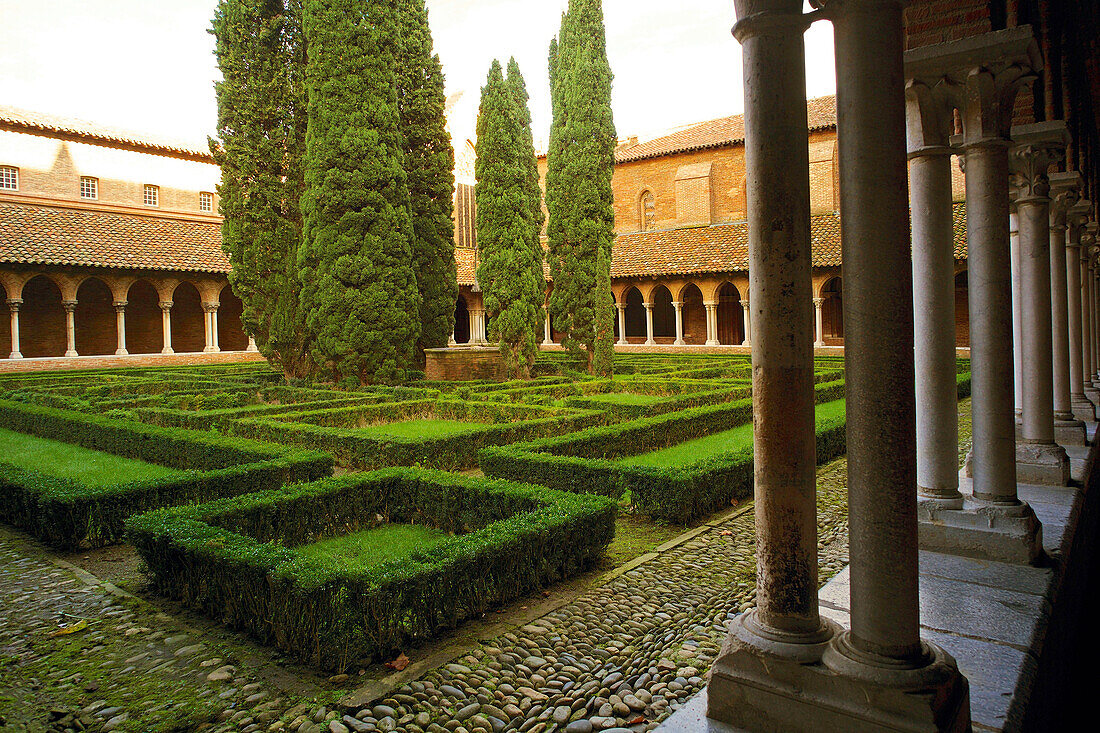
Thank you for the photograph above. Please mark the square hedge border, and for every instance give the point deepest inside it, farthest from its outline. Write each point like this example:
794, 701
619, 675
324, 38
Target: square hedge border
232, 559
68, 514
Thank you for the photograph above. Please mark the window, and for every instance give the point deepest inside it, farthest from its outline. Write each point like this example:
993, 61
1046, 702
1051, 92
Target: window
206, 201
9, 178
152, 194
89, 187
647, 211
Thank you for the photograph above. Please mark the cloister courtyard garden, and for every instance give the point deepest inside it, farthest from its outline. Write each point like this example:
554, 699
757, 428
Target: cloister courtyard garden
218, 548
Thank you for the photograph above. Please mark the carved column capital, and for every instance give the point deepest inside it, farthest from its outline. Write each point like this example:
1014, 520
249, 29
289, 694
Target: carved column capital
647, 306
210, 307
818, 302
677, 304
929, 115
621, 306
69, 306
1035, 148
166, 305
119, 306
1078, 214
14, 304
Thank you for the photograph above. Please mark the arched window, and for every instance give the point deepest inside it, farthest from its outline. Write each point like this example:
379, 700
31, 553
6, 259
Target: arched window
647, 211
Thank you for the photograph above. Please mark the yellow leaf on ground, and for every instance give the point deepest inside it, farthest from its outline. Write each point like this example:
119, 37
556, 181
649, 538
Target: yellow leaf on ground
71, 629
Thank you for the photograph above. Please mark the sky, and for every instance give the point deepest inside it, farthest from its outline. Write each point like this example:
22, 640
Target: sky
148, 65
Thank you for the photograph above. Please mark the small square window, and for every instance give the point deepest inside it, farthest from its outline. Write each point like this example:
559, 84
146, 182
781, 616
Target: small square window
206, 201
9, 178
152, 195
89, 187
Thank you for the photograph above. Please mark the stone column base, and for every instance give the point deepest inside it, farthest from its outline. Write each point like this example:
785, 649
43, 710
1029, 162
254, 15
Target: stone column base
980, 529
712, 342
755, 691
1069, 432
1083, 409
1042, 463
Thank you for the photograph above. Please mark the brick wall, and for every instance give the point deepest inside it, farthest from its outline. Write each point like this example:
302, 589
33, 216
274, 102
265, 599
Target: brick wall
188, 332
41, 320
143, 320
96, 333
939, 21
464, 363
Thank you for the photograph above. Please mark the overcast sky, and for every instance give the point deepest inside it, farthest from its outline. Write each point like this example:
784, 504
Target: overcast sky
148, 65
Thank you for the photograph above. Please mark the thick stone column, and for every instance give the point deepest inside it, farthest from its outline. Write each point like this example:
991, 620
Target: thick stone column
13, 306
712, 323
547, 339
819, 324
1039, 459
747, 321
1083, 409
120, 327
648, 323
679, 306
70, 327
1068, 430
166, 326
1017, 309
209, 326
621, 307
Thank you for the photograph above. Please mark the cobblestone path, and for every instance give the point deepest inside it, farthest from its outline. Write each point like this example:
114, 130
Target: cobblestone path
620, 657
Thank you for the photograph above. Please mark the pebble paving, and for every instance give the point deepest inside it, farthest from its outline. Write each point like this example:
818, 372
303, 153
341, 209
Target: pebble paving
620, 658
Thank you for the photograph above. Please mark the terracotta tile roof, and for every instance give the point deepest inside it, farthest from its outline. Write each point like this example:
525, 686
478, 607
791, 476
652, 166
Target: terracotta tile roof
49, 235
21, 120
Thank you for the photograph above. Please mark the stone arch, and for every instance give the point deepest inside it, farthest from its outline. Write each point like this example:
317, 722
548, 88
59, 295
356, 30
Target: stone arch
731, 316
664, 314
962, 309
144, 324
188, 321
693, 314
832, 311
5, 323
96, 331
635, 315
231, 335
42, 318
647, 210
462, 321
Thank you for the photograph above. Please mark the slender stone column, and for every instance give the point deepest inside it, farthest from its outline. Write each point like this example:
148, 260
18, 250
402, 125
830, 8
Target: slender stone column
253, 348
547, 340
214, 328
1068, 430
1039, 459
679, 306
747, 321
473, 326
208, 326
120, 327
1017, 309
1082, 408
648, 323
13, 306
819, 323
712, 323
621, 307
166, 326
70, 327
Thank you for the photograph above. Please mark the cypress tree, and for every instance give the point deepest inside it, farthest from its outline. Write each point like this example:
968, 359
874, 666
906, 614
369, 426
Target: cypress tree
510, 266
429, 162
355, 266
582, 216
261, 126
604, 351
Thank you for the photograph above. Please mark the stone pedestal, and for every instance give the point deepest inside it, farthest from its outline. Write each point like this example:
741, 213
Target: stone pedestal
980, 529
1042, 463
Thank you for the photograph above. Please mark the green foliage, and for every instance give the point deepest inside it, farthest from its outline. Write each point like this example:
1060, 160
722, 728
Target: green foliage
429, 162
580, 160
604, 305
509, 219
355, 264
66, 512
261, 129
230, 559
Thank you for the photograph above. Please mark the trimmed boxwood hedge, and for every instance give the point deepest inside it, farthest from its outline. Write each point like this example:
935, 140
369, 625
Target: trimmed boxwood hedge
69, 514
334, 430
232, 559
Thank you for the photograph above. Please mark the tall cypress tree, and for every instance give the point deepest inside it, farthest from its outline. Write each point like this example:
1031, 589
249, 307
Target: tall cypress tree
510, 267
603, 355
582, 216
429, 162
261, 126
358, 285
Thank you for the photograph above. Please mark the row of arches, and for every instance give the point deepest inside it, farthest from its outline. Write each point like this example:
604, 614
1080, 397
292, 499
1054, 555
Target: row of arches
47, 324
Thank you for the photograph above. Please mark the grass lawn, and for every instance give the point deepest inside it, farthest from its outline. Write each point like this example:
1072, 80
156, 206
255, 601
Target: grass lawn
419, 428
711, 445
65, 460
625, 398
372, 546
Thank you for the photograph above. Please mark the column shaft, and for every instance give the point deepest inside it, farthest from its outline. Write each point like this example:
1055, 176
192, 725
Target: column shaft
934, 325
712, 323
70, 327
1038, 417
546, 337
166, 326
13, 306
819, 324
1017, 313
1063, 407
679, 306
1086, 320
120, 328
878, 330
747, 321
648, 323
1073, 313
622, 323
214, 328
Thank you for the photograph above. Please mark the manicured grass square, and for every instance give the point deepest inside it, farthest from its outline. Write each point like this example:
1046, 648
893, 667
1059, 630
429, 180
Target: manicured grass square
372, 546
68, 461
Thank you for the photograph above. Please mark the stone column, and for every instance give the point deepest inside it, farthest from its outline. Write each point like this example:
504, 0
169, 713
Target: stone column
482, 328
473, 326
784, 632
70, 327
1083, 409
253, 348
679, 306
648, 323
1039, 459
621, 307
1017, 309
929, 125
747, 321
120, 327
712, 323
1068, 430
547, 340
208, 326
166, 326
819, 324
13, 306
